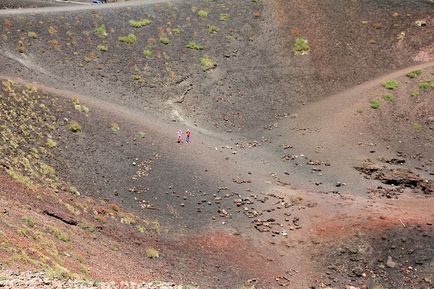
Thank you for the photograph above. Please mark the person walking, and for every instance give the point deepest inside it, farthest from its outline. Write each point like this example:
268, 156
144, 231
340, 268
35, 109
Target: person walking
179, 135
187, 133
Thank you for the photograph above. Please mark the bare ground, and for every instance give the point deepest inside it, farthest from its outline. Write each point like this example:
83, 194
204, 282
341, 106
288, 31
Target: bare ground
281, 206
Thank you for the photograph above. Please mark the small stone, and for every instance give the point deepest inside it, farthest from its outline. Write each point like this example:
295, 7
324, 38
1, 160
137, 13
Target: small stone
390, 263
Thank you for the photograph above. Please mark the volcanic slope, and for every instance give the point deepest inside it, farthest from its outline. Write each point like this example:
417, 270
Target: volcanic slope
110, 94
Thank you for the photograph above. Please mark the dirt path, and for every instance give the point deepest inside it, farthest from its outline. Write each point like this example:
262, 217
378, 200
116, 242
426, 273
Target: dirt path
49, 10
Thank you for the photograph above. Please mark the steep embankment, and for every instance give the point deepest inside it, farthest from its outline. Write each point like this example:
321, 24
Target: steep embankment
257, 77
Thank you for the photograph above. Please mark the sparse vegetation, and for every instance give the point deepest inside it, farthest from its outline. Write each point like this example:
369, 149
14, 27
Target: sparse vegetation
224, 17
194, 45
59, 234
177, 30
206, 62
31, 34
137, 77
417, 126
51, 143
414, 73
147, 53
388, 97
152, 253
374, 103
114, 127
130, 38
102, 47
424, 84
212, 29
414, 93
74, 126
391, 84
301, 46
164, 40
100, 31
202, 13
29, 222
139, 23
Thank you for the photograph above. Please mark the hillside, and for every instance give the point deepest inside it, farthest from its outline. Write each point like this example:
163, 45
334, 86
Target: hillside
311, 157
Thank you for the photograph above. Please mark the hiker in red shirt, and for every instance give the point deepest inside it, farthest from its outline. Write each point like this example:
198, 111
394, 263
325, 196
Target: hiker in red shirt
187, 133
179, 136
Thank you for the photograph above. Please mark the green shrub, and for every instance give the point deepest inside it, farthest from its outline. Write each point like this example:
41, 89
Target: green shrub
424, 84
417, 126
31, 34
100, 31
164, 40
391, 84
206, 62
102, 47
202, 13
147, 53
137, 77
414, 93
212, 29
29, 222
114, 127
177, 30
388, 97
223, 16
130, 38
193, 45
139, 23
59, 234
414, 73
74, 126
301, 46
51, 143
152, 253
374, 103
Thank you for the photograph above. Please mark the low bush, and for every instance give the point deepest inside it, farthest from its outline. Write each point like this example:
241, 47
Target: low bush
391, 84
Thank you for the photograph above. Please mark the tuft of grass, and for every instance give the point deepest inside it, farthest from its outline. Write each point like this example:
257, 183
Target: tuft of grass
102, 47
142, 134
31, 34
417, 126
224, 17
164, 40
140, 229
414, 73
206, 62
29, 222
400, 36
414, 93
194, 45
114, 127
100, 31
137, 77
388, 97
130, 38
51, 143
147, 53
374, 103
212, 29
74, 126
59, 272
59, 234
301, 46
152, 253
52, 30
23, 180
202, 13
424, 84
391, 84
81, 108
139, 23
177, 30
